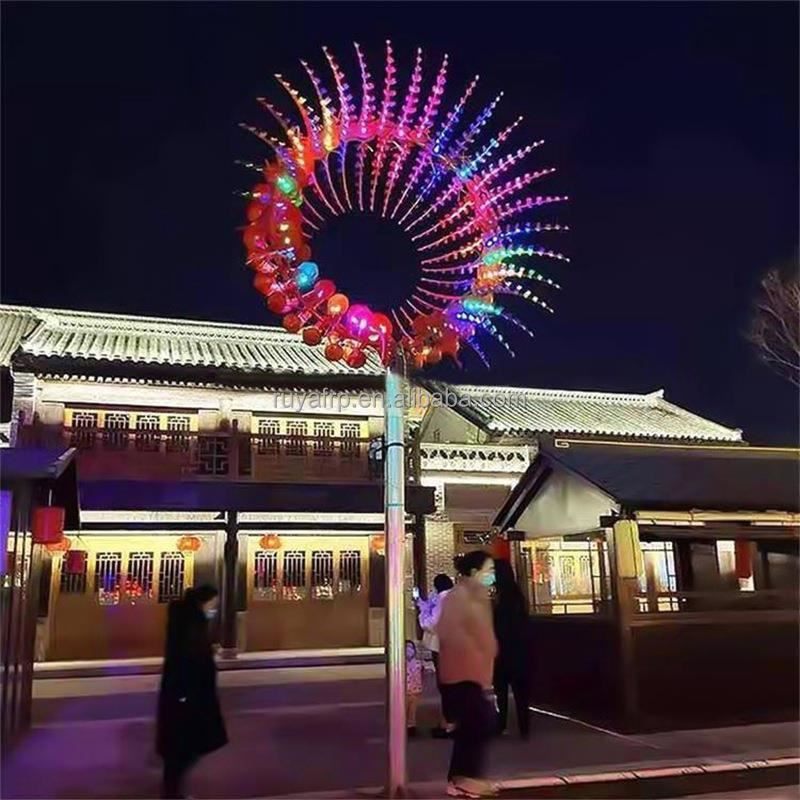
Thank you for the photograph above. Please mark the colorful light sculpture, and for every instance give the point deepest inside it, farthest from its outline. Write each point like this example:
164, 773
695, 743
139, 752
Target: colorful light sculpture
440, 177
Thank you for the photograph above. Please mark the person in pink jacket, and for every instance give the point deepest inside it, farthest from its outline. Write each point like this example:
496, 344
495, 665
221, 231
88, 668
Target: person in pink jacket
467, 650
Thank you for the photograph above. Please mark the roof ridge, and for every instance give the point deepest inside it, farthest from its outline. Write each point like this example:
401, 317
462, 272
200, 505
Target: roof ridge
571, 394
59, 316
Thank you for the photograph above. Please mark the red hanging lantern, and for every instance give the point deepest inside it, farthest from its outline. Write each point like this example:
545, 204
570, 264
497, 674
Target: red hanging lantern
59, 547
270, 541
377, 543
75, 562
501, 549
48, 524
189, 544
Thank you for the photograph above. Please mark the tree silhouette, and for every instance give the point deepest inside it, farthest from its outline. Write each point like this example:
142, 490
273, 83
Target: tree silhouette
775, 326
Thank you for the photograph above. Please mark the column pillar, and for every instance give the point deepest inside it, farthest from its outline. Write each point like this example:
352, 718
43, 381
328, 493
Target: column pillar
626, 567
229, 569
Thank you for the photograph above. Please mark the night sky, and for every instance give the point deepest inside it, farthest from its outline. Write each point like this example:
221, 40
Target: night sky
674, 128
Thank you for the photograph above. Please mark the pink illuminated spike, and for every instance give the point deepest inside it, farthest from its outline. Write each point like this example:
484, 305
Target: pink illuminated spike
367, 98
347, 109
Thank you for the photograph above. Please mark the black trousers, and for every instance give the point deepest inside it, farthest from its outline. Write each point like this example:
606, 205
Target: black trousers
446, 712
517, 680
474, 716
175, 769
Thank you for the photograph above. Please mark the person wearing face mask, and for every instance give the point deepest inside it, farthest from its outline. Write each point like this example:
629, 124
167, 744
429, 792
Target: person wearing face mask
467, 650
190, 723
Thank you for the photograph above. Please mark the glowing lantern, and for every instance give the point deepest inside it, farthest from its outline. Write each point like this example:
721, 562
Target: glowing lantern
189, 544
59, 547
276, 302
48, 524
307, 274
292, 323
377, 543
356, 359
312, 335
75, 562
333, 352
270, 542
338, 304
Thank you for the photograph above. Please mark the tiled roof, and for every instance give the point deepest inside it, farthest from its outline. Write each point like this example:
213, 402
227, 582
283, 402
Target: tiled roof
678, 478
76, 335
524, 412
16, 323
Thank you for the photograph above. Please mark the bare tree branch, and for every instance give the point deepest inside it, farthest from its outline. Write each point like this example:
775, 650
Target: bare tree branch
775, 326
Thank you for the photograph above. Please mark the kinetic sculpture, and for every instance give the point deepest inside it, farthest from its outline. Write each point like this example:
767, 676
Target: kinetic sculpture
443, 182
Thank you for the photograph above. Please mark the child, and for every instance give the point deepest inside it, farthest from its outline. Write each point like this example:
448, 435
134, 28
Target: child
413, 686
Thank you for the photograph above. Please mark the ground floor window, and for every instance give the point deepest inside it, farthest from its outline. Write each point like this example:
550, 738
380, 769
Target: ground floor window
565, 577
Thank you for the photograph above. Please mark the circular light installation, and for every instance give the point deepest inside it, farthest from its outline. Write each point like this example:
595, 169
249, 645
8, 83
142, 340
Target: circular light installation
441, 176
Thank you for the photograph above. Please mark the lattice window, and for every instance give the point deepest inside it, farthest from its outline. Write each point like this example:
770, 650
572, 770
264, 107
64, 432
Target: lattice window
265, 575
297, 431
350, 433
115, 433
139, 581
84, 428
322, 574
178, 433
107, 578
323, 438
349, 572
212, 455
268, 436
73, 582
170, 577
147, 436
294, 575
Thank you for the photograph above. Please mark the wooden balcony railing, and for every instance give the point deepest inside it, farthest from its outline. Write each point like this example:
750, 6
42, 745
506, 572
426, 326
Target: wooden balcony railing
118, 453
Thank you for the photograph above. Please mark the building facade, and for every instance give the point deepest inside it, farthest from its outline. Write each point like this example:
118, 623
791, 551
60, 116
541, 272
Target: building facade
237, 455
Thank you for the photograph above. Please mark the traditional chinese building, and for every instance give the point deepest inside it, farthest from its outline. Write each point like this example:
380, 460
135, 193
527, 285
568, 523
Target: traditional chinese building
232, 454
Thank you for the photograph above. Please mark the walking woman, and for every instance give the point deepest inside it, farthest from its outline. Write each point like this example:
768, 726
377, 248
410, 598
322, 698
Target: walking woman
189, 717
467, 649
511, 629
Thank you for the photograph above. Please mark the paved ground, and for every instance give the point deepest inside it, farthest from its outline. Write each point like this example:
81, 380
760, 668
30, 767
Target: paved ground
303, 730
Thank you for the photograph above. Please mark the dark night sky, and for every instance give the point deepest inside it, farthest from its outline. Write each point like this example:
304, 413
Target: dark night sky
674, 127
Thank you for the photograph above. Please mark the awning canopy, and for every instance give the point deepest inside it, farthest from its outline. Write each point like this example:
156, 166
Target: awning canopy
51, 469
220, 496
571, 480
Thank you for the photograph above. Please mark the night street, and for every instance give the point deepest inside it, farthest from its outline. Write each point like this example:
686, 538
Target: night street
316, 729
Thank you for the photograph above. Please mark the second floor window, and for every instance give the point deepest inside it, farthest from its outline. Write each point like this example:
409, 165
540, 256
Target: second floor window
147, 435
178, 426
296, 431
84, 426
323, 438
350, 433
115, 433
268, 436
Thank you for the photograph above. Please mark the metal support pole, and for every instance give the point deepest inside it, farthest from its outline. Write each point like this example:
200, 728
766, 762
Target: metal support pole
394, 505
230, 565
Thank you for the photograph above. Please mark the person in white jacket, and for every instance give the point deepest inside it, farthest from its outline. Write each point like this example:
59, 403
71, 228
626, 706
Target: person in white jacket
429, 612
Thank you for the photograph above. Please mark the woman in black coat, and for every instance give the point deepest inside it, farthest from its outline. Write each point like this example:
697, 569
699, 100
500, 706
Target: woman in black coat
189, 718
511, 666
